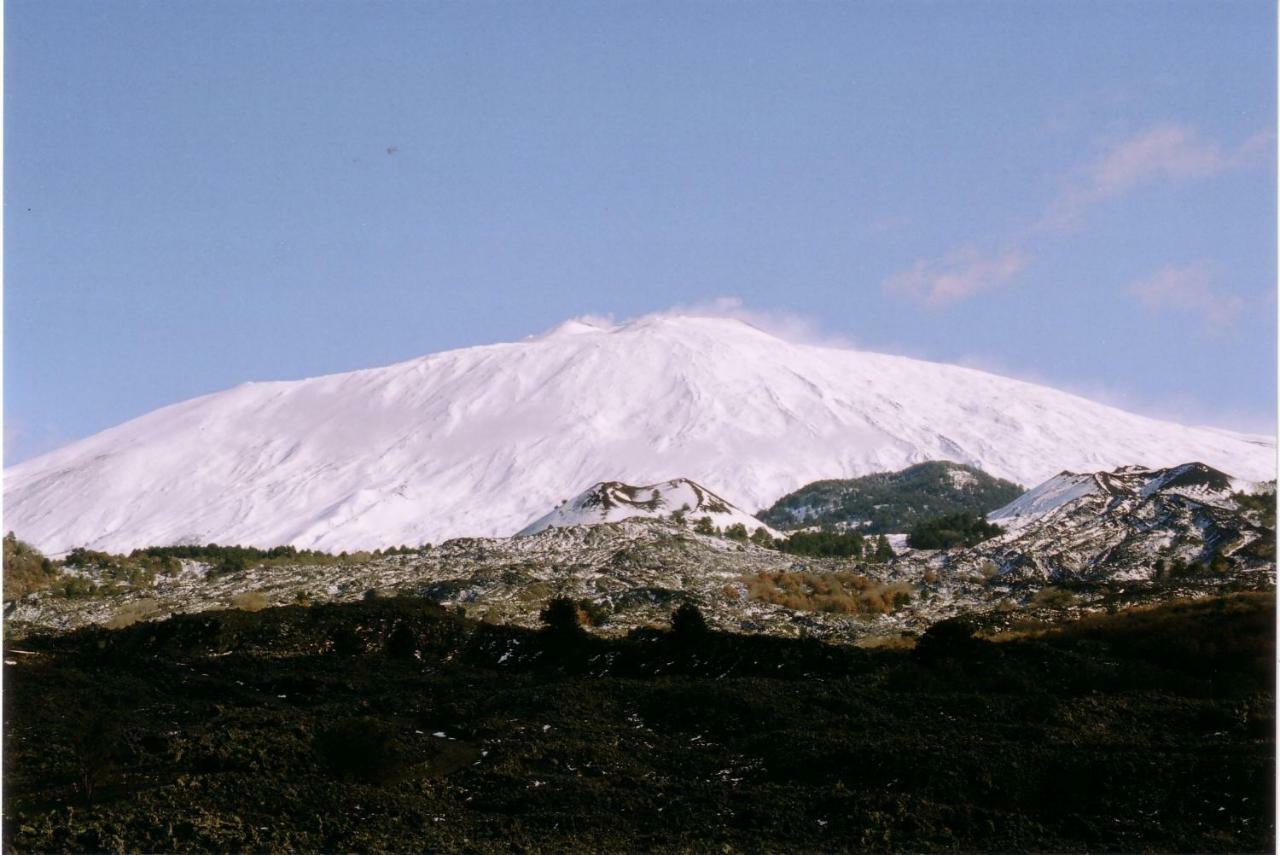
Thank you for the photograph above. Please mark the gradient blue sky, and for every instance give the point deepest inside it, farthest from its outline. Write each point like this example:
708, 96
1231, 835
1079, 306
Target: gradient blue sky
199, 194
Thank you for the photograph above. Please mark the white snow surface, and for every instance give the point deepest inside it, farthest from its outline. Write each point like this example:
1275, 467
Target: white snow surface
481, 441
1193, 480
611, 501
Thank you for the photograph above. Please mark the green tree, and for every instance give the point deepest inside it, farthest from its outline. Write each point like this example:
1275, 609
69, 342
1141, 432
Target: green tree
964, 528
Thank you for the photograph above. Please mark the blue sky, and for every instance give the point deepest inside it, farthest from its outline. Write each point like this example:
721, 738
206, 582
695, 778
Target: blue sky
199, 194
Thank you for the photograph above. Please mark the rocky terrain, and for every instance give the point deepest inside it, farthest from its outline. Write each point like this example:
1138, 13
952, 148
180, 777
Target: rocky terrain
399, 725
1076, 544
612, 501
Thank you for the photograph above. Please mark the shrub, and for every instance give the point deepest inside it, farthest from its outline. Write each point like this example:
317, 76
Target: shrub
592, 613
839, 593
951, 637
761, 537
1263, 504
132, 612
705, 526
1053, 598
561, 615
737, 532
230, 564
73, 587
25, 569
688, 623
250, 601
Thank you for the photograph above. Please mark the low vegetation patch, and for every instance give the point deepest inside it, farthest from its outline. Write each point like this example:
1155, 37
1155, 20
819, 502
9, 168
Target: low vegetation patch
839, 593
26, 570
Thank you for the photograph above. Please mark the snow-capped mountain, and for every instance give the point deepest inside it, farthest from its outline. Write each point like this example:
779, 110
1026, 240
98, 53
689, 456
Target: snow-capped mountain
481, 441
613, 501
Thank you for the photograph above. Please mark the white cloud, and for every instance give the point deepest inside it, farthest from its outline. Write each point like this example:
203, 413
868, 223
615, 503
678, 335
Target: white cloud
956, 277
790, 326
1188, 289
1167, 152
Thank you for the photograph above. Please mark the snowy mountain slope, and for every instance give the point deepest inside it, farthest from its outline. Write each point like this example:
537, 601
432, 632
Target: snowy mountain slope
612, 501
1193, 480
481, 441
1123, 525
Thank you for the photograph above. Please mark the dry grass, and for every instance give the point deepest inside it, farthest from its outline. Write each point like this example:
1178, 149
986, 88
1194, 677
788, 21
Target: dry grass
887, 642
250, 601
132, 612
838, 593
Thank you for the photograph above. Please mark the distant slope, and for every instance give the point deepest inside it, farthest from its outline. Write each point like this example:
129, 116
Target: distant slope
482, 440
613, 501
1132, 523
892, 501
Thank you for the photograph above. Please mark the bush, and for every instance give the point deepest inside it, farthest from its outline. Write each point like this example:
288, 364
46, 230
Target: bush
688, 623
1053, 598
250, 601
25, 569
561, 616
951, 637
229, 564
705, 526
132, 612
839, 593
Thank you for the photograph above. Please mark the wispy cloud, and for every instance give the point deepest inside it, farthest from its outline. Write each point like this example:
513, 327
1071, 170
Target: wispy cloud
1164, 153
1188, 289
956, 277
787, 325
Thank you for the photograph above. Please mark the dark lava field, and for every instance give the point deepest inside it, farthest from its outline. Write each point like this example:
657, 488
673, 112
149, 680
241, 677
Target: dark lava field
397, 725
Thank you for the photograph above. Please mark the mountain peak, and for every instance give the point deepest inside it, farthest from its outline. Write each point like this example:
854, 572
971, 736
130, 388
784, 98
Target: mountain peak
481, 440
613, 501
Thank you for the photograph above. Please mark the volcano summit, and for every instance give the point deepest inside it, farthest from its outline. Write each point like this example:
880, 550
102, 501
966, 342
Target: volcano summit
483, 440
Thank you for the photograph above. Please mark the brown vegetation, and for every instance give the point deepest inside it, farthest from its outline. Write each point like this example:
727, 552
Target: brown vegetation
25, 569
840, 593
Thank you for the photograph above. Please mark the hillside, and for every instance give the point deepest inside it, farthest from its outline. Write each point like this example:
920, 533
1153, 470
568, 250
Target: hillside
484, 440
892, 501
612, 501
1148, 536
397, 725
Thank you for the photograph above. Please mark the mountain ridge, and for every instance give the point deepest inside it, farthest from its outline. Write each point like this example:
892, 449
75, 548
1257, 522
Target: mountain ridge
480, 441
